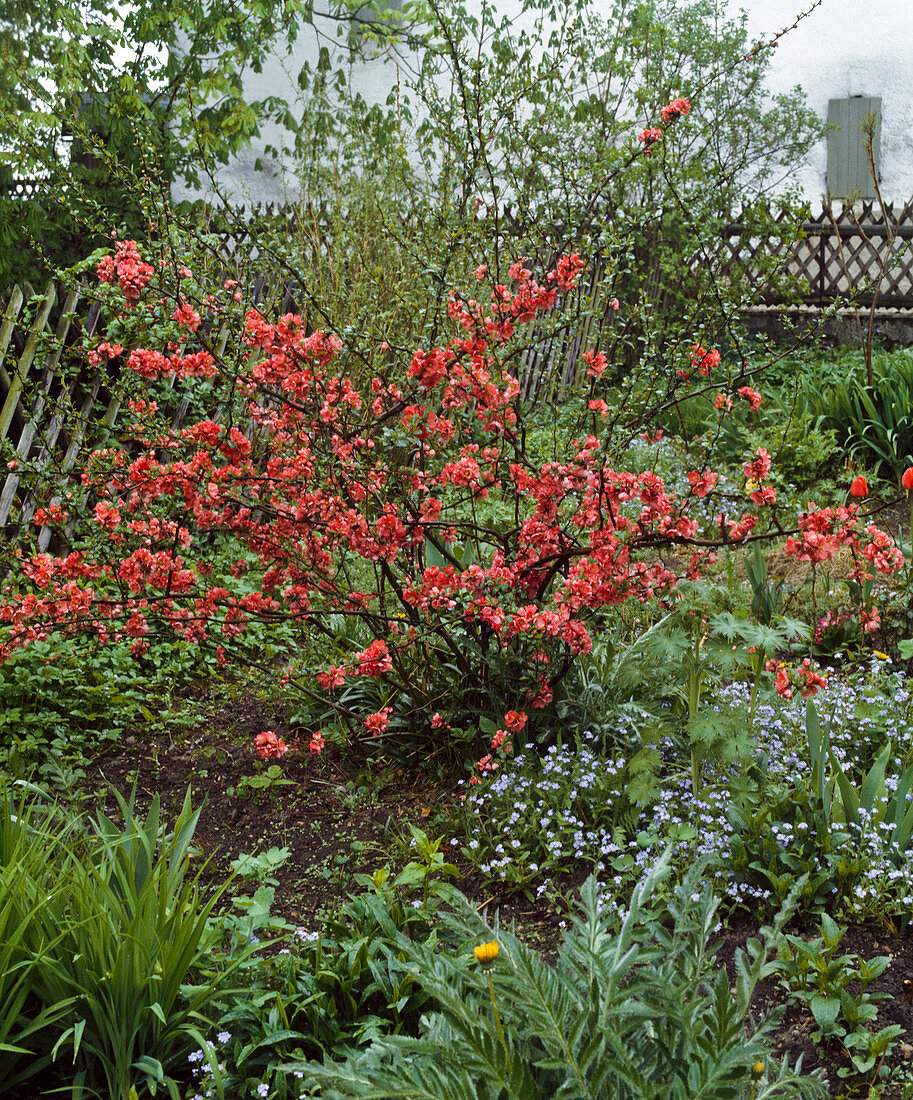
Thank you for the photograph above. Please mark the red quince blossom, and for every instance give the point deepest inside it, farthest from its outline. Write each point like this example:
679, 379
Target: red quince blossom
753, 398
767, 494
126, 268
701, 482
379, 721
759, 467
704, 361
567, 271
332, 678
187, 317
499, 741
678, 108
649, 138
107, 515
375, 660
869, 619
103, 351
269, 745
807, 679
596, 363
882, 552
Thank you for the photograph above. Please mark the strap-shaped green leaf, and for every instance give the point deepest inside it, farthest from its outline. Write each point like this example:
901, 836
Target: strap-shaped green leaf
848, 796
873, 786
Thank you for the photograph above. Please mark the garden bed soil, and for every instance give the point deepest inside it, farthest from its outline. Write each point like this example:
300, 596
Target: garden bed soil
340, 815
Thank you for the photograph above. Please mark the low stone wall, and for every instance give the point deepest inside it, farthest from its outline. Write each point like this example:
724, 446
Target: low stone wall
833, 328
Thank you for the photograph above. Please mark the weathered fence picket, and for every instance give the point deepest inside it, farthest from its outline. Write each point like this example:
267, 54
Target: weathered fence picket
26, 439
38, 414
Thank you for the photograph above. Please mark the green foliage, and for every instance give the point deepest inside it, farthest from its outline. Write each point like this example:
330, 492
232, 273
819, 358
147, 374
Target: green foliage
800, 448
818, 978
875, 423
98, 69
872, 804
379, 281
331, 994
262, 865
788, 838
35, 237
56, 698
841, 802
24, 1025
61, 699
685, 658
427, 873
812, 846
266, 781
115, 929
557, 130
639, 1014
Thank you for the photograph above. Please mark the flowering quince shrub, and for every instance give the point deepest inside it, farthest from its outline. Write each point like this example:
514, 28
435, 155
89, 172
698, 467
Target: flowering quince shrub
371, 496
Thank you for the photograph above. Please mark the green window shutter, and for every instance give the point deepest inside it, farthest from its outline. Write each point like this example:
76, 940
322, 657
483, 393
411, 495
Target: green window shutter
847, 164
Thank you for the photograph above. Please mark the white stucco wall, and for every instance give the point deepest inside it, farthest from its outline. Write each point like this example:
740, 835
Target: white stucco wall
372, 77
846, 48
843, 48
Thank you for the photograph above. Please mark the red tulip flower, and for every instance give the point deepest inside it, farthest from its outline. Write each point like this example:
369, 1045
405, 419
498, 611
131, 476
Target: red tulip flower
860, 487
907, 480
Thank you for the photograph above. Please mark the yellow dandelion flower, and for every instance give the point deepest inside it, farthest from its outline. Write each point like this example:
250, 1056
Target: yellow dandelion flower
486, 952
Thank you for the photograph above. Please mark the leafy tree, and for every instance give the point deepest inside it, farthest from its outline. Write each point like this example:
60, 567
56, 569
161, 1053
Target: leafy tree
539, 112
120, 70
143, 92
543, 108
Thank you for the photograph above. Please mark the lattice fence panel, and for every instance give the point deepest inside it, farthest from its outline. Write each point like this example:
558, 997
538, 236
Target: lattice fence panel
54, 407
854, 252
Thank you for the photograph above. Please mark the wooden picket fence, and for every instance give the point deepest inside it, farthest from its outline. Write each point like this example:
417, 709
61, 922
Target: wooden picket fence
845, 250
48, 422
